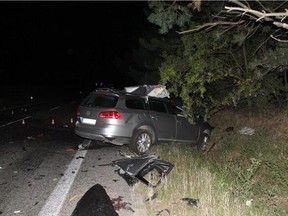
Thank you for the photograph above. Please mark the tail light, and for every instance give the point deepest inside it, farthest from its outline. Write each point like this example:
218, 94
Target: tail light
110, 114
78, 112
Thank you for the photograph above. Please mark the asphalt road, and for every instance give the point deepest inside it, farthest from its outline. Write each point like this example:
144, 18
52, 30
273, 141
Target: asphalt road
42, 171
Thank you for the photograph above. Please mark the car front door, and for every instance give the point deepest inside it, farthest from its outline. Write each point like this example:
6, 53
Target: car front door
186, 131
164, 121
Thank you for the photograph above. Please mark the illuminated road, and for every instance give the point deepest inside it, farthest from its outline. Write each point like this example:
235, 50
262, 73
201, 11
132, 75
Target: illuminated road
42, 171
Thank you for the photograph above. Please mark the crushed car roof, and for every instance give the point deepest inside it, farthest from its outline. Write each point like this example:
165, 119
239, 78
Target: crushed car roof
149, 90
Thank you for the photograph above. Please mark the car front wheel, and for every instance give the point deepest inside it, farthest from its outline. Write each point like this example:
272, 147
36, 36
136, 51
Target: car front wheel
203, 139
141, 141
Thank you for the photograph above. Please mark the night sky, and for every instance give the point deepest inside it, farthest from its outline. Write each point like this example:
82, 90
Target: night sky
67, 43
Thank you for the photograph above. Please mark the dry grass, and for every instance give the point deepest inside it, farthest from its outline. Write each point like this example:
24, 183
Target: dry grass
274, 123
233, 169
189, 179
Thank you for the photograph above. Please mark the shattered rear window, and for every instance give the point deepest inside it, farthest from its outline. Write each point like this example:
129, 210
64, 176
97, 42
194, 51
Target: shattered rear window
101, 100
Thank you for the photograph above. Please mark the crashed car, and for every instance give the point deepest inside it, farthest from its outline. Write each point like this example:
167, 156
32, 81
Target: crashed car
139, 117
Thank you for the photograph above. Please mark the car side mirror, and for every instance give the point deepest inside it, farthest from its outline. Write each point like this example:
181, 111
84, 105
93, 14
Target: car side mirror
198, 117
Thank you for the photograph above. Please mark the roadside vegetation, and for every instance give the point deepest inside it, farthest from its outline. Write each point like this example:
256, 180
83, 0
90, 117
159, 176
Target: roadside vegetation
227, 60
236, 174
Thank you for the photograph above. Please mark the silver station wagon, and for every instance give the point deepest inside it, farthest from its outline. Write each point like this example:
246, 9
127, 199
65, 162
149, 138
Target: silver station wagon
133, 118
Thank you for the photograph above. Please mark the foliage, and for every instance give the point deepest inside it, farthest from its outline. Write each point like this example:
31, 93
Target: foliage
167, 15
220, 67
190, 72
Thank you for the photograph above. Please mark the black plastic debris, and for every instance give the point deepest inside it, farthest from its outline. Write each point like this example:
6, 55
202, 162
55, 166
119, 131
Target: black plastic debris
191, 201
229, 129
95, 202
154, 196
163, 211
135, 168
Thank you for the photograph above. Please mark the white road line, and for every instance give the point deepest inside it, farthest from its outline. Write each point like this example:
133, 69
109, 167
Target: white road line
56, 199
9, 123
54, 108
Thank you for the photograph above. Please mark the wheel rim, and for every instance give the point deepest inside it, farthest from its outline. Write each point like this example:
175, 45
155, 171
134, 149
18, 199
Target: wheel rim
143, 142
204, 142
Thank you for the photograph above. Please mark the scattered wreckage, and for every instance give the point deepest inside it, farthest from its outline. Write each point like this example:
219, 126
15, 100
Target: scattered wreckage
134, 169
96, 201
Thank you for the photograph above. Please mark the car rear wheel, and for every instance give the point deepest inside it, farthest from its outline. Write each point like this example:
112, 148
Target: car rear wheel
141, 141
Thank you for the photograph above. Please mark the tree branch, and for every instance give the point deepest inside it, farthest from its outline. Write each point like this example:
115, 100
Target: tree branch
209, 25
273, 17
277, 39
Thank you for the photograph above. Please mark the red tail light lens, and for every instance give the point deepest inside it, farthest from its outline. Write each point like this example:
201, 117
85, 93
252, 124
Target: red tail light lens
110, 114
78, 112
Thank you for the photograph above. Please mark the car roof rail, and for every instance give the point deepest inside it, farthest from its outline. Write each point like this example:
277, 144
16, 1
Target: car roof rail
106, 89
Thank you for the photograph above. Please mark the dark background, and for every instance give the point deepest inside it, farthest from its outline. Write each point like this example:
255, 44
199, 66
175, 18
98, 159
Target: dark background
66, 46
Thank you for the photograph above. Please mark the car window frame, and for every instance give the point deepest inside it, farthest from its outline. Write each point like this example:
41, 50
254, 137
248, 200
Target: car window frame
97, 94
167, 104
136, 98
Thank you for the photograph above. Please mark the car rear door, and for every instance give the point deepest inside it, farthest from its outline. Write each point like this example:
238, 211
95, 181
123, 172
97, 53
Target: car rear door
163, 119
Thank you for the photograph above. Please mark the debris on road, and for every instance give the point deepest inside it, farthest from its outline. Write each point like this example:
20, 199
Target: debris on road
85, 144
71, 149
30, 138
229, 129
81, 147
247, 131
249, 202
122, 154
154, 196
118, 204
135, 168
75, 197
191, 201
163, 211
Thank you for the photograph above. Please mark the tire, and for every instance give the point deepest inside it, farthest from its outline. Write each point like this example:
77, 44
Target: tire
141, 141
203, 139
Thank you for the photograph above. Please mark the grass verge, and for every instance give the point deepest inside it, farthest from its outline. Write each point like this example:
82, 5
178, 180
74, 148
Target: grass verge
233, 170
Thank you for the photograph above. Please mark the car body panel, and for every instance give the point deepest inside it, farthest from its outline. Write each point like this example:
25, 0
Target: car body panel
161, 116
165, 125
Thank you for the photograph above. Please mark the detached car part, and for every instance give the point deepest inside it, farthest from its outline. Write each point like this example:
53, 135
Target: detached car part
134, 169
